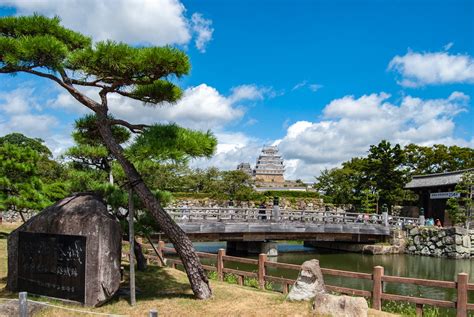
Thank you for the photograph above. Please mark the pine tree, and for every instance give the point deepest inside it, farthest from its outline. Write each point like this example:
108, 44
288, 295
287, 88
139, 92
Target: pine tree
20, 185
40, 46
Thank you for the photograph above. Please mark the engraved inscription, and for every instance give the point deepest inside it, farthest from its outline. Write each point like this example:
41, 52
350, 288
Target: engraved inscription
52, 265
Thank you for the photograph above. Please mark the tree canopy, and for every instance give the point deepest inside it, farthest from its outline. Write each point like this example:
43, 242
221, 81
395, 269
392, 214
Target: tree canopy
40, 46
20, 185
383, 173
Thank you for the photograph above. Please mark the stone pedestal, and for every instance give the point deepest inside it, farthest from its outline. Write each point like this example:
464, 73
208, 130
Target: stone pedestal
65, 228
270, 248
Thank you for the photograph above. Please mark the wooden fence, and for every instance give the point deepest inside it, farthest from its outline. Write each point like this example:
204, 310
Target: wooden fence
377, 277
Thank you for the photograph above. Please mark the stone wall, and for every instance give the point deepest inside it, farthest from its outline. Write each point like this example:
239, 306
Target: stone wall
297, 203
14, 216
454, 242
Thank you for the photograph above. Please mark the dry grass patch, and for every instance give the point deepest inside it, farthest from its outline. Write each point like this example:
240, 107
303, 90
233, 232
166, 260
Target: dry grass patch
168, 291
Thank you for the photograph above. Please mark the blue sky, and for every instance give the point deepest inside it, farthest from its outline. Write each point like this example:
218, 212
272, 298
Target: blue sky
323, 79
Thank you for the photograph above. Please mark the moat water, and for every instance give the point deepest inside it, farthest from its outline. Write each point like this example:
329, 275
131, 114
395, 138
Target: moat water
397, 265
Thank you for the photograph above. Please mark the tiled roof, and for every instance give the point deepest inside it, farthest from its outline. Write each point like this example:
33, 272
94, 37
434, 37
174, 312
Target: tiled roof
432, 180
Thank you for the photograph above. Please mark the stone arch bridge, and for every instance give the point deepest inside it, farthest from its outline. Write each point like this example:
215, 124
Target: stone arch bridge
255, 230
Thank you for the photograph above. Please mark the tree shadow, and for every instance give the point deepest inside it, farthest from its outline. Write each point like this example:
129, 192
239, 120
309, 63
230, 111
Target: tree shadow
157, 283
4, 235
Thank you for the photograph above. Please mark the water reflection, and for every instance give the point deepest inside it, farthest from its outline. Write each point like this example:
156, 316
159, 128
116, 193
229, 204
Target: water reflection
397, 265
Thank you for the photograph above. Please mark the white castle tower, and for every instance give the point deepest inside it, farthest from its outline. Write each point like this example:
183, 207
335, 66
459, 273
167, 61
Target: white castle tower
269, 168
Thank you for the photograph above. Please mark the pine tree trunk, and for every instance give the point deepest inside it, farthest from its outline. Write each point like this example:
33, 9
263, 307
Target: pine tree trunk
141, 259
183, 245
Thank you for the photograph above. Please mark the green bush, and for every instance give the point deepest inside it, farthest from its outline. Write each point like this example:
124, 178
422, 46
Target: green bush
289, 193
407, 309
252, 282
231, 278
212, 275
269, 286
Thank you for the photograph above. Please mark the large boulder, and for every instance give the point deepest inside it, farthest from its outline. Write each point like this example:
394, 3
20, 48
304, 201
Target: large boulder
340, 306
83, 215
309, 283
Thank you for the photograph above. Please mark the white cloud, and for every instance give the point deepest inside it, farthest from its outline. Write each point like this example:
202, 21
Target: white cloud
156, 22
420, 69
315, 87
202, 27
30, 124
349, 126
305, 83
251, 92
448, 46
299, 85
17, 101
20, 111
201, 107
233, 148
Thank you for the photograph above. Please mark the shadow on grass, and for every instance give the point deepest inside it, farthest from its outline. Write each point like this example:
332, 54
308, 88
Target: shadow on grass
4, 235
157, 283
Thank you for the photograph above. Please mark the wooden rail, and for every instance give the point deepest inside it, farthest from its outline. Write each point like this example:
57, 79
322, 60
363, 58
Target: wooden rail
378, 278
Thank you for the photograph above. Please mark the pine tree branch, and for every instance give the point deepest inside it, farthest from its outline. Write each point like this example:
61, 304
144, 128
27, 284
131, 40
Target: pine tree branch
126, 94
86, 101
135, 128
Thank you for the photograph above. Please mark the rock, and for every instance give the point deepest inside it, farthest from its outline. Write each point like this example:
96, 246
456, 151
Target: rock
458, 239
461, 250
439, 243
441, 233
412, 248
417, 240
448, 240
425, 251
414, 231
309, 282
438, 253
466, 242
340, 306
79, 215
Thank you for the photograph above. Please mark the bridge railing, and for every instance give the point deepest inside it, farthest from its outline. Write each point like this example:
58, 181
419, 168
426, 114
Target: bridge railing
284, 215
377, 278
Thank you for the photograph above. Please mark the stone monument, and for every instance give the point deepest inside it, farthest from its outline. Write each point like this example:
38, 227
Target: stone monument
70, 250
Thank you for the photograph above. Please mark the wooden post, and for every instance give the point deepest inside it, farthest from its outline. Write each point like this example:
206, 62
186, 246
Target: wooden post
158, 251
262, 258
161, 247
220, 264
240, 280
419, 310
377, 288
23, 304
461, 303
153, 313
131, 237
285, 288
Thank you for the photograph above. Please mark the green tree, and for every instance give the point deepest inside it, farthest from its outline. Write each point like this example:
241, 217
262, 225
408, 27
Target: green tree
237, 185
368, 201
384, 172
21, 140
460, 208
42, 47
343, 185
20, 185
47, 170
89, 150
438, 158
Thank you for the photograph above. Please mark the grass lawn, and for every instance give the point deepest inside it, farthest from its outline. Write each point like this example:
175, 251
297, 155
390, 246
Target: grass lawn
168, 291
